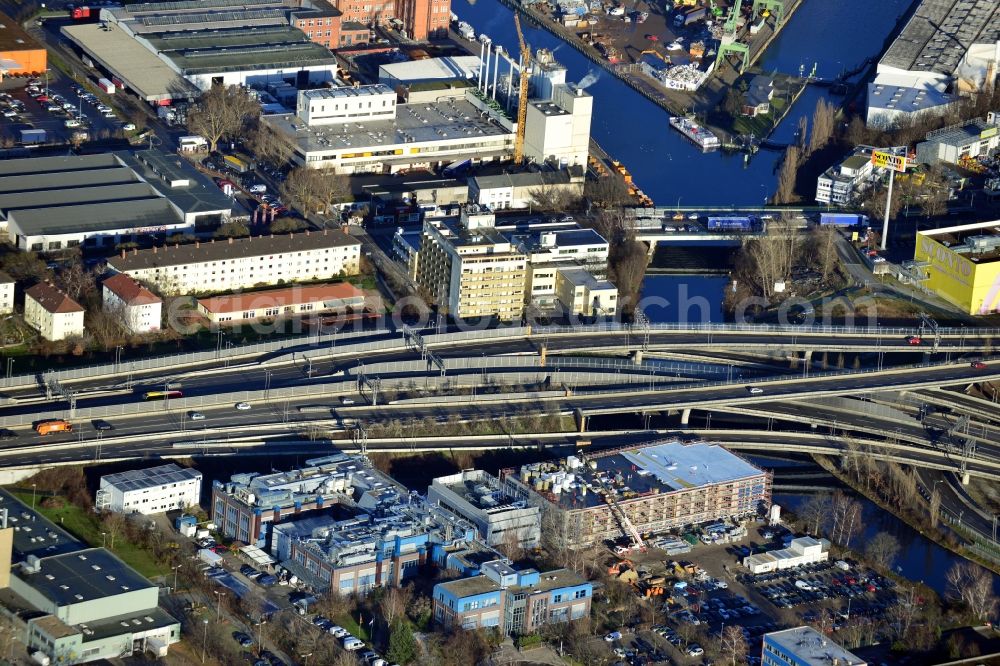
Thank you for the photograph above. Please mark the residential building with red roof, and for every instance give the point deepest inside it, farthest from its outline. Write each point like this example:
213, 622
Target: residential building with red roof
140, 309
52, 312
287, 302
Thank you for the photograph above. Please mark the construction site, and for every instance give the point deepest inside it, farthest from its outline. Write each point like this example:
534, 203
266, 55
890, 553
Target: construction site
626, 496
674, 47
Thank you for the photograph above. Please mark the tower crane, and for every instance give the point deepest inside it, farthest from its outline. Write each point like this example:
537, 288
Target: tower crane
522, 100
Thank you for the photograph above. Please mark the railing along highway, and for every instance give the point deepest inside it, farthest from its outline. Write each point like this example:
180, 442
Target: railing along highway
225, 354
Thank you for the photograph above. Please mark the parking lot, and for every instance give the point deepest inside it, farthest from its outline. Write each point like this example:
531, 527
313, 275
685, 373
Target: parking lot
706, 590
61, 108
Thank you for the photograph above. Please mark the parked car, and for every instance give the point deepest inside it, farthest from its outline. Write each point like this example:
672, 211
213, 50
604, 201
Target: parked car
258, 188
243, 639
613, 636
352, 644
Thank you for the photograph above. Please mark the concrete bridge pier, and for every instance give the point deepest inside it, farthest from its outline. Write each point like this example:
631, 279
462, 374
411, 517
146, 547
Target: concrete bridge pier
686, 416
542, 353
637, 357
581, 420
965, 479
808, 358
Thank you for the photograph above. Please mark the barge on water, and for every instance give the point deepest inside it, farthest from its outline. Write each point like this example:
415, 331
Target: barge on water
695, 132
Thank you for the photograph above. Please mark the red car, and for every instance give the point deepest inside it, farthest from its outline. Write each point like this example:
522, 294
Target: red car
978, 365
914, 340
42, 99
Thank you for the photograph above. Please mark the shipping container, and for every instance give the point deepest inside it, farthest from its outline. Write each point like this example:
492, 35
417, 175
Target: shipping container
107, 86
32, 136
735, 223
81, 13
843, 219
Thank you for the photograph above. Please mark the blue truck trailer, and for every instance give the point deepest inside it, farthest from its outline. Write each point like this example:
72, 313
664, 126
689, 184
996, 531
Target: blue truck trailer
731, 223
843, 219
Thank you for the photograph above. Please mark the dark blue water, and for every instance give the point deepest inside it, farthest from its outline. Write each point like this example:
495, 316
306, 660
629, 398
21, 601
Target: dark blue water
683, 298
920, 559
665, 165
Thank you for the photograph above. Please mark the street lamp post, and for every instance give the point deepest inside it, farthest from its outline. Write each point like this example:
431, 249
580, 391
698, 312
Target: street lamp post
204, 641
218, 603
175, 568
104, 539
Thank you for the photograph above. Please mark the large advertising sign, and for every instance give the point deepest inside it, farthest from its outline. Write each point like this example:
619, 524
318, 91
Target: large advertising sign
883, 160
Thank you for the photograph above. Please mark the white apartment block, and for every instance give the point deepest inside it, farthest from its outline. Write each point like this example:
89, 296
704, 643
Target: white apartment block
329, 106
580, 293
149, 491
139, 307
471, 268
243, 263
6, 294
53, 313
841, 184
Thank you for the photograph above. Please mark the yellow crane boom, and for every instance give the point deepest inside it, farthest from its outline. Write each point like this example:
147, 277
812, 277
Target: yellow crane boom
522, 100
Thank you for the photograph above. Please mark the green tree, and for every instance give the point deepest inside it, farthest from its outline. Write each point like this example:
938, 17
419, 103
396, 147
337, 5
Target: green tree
233, 229
402, 646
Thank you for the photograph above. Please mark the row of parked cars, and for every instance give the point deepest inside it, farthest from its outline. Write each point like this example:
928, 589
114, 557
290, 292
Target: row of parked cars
350, 642
672, 637
265, 658
259, 577
807, 588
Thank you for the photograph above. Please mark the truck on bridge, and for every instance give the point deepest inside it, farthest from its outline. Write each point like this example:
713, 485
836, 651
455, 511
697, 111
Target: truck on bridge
731, 222
843, 220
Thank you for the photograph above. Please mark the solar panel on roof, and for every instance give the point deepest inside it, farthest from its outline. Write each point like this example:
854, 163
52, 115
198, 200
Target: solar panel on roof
214, 17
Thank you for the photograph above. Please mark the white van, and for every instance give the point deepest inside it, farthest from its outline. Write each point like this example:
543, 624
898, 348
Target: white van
352, 644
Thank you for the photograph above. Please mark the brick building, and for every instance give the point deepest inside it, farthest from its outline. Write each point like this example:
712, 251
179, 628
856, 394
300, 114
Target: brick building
660, 487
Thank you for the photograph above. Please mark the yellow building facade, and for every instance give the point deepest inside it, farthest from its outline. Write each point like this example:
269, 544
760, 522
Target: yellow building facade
962, 265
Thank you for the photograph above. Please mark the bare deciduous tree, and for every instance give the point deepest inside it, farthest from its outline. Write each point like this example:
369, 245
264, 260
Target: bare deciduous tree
733, 646
824, 245
972, 585
935, 508
768, 259
222, 112
816, 512
845, 518
314, 190
788, 174
824, 122
882, 550
268, 145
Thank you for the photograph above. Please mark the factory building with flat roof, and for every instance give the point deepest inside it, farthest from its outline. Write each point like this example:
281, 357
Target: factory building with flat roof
54, 203
946, 46
165, 51
84, 603
961, 264
478, 497
659, 487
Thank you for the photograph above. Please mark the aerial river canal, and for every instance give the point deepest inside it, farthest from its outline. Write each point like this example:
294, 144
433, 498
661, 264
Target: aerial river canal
837, 36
